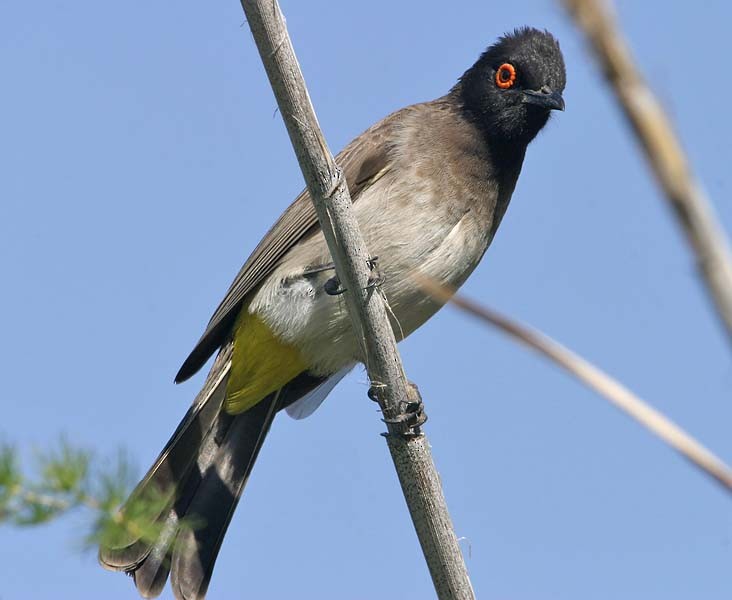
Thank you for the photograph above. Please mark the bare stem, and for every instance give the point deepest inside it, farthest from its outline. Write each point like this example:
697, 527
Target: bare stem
611, 389
326, 184
663, 150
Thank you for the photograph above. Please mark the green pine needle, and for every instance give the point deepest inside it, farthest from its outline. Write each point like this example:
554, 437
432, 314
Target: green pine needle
68, 479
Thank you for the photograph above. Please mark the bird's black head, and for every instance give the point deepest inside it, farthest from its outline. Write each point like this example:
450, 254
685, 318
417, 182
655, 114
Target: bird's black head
511, 89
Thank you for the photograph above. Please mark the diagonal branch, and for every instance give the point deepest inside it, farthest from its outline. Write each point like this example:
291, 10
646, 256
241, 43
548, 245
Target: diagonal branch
409, 447
663, 150
612, 390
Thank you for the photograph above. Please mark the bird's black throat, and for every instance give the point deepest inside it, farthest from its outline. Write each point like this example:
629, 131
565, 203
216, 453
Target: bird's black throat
507, 133
510, 91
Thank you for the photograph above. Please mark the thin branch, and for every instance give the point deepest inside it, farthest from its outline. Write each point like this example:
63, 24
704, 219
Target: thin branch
64, 483
408, 445
663, 150
611, 389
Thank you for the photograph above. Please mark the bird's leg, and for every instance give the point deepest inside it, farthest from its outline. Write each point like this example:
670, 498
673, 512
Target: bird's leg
313, 270
333, 287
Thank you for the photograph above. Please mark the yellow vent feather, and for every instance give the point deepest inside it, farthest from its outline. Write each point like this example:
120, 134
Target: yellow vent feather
261, 363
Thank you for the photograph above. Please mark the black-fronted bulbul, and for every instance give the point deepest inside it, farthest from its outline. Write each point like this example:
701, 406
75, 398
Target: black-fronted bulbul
430, 184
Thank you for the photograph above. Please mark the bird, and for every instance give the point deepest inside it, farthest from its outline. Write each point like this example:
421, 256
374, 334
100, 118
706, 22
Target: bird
430, 184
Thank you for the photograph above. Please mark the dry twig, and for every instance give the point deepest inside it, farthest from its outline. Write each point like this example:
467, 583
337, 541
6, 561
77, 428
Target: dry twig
663, 150
409, 449
611, 389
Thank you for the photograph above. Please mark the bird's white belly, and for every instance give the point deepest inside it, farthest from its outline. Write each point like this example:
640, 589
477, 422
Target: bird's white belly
303, 314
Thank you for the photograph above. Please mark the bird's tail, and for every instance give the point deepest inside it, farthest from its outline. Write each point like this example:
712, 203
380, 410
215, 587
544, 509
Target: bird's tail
201, 472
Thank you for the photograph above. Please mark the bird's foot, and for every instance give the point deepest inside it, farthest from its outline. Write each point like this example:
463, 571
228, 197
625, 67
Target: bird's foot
411, 416
375, 278
333, 287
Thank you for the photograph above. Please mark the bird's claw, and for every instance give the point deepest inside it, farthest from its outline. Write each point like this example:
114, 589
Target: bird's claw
411, 417
376, 278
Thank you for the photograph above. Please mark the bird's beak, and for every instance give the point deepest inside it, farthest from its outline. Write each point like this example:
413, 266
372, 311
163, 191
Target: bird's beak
545, 97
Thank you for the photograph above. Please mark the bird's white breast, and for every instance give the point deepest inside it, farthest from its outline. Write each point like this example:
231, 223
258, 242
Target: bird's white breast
431, 211
445, 247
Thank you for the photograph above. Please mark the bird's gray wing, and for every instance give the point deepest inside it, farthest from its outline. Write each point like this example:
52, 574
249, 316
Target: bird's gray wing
363, 161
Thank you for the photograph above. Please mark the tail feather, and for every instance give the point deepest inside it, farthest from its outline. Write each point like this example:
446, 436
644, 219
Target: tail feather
151, 575
174, 463
196, 549
202, 470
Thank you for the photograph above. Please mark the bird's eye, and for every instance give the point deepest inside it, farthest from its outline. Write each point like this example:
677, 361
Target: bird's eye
505, 76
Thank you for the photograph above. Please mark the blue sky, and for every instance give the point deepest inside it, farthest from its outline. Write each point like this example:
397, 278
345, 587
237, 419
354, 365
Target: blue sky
142, 160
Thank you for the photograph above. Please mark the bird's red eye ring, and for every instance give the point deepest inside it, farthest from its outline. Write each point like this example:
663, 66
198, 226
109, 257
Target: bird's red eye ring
505, 76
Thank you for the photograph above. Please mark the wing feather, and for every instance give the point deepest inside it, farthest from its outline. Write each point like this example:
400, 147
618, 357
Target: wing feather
365, 159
